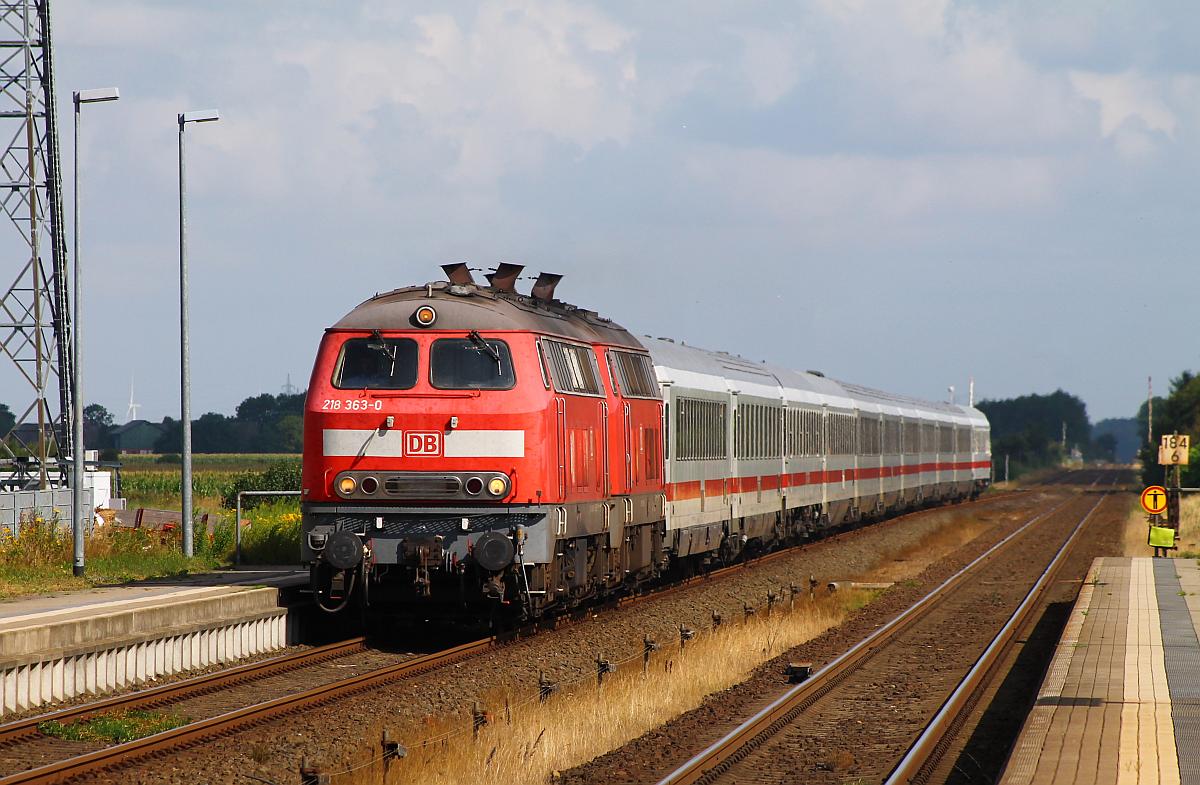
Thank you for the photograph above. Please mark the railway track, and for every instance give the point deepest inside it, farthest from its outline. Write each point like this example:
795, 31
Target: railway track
22, 744
41, 759
926, 756
856, 716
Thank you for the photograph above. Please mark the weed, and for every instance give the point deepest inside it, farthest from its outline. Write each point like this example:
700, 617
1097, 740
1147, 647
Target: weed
861, 598
271, 533
259, 753
117, 727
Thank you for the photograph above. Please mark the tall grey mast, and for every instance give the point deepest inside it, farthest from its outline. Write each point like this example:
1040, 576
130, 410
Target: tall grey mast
35, 331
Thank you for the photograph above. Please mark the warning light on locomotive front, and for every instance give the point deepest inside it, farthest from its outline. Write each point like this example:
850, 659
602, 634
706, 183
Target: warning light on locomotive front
425, 316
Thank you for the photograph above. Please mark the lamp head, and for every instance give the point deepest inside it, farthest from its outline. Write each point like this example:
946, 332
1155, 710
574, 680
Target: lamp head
96, 96
203, 116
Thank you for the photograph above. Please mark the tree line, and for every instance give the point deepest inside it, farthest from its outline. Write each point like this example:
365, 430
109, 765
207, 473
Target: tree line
261, 424
1036, 431
1177, 412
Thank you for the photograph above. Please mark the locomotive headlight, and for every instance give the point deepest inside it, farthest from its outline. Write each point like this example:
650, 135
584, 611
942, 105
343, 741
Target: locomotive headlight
346, 486
497, 486
425, 316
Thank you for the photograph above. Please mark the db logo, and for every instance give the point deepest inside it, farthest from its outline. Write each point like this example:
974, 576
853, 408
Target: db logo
422, 443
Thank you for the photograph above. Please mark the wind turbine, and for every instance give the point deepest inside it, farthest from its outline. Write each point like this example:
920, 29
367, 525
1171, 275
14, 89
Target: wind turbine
131, 412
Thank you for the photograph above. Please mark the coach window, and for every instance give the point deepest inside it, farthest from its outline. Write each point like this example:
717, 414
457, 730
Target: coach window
471, 364
376, 363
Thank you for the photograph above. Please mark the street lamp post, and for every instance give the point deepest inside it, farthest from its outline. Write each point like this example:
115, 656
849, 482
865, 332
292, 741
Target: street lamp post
185, 386
78, 527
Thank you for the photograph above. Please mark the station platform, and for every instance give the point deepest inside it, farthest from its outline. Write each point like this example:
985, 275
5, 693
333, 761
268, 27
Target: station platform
59, 646
1120, 702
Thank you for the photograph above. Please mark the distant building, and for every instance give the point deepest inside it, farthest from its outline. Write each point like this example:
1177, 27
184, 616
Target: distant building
136, 436
27, 433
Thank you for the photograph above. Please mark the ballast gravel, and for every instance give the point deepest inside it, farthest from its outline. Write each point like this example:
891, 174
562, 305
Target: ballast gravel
344, 735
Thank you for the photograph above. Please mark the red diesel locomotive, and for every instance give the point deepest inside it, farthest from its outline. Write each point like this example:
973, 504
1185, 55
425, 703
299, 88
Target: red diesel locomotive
470, 450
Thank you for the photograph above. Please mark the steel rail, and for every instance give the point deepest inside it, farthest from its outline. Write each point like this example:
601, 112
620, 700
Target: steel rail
928, 748
194, 732
712, 760
17, 730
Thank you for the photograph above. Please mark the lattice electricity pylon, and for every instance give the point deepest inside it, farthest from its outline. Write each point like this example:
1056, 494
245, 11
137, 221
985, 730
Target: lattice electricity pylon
35, 330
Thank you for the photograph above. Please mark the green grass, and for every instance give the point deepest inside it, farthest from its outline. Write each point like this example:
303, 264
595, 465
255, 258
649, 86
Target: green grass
114, 728
39, 559
861, 598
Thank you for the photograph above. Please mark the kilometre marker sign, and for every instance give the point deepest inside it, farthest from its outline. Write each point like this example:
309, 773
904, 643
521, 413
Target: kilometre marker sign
1173, 449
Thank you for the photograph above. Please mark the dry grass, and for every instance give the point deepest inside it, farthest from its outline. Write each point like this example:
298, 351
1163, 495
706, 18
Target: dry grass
526, 740
1134, 539
953, 531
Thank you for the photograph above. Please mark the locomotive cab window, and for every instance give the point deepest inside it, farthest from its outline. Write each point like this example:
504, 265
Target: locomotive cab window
471, 363
376, 363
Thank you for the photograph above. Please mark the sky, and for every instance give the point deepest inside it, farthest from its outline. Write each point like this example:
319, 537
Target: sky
900, 193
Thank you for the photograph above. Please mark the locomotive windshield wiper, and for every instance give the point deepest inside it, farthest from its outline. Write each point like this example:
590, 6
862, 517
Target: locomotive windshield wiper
487, 349
378, 344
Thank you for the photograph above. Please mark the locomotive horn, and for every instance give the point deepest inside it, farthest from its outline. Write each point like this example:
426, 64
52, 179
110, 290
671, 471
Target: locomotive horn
458, 273
543, 287
505, 277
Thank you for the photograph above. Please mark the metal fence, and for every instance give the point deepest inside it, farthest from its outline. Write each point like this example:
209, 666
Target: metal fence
22, 507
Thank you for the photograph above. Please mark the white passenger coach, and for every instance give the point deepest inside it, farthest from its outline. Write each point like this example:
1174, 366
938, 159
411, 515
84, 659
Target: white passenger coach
760, 454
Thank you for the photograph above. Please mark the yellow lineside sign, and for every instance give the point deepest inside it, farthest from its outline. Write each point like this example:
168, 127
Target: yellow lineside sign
1154, 500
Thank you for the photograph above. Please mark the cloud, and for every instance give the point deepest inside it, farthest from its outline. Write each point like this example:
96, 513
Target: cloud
871, 200
1125, 97
361, 144
512, 78
771, 63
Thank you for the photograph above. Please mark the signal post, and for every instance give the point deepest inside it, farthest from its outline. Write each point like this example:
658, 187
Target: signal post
1161, 502
1173, 454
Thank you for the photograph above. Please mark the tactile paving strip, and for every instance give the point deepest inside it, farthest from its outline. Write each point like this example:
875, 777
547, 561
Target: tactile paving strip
1181, 651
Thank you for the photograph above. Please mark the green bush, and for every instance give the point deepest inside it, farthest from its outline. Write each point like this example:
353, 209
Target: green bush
281, 476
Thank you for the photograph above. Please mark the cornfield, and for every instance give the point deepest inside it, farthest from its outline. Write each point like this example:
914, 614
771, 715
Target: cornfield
168, 480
